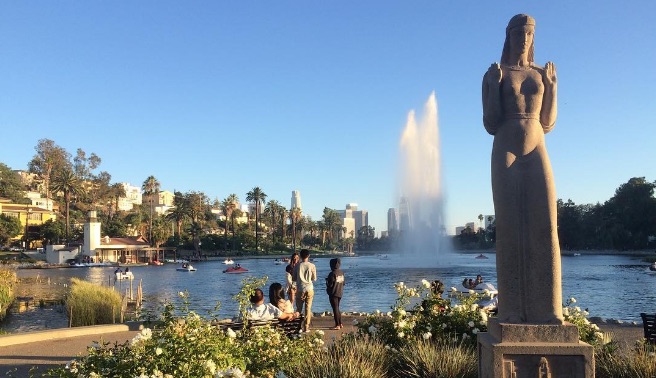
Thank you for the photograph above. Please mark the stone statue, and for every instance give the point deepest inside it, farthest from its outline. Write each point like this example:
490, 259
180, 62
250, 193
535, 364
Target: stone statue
519, 107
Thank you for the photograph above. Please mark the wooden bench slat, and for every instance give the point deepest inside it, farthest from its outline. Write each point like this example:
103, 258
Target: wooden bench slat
290, 327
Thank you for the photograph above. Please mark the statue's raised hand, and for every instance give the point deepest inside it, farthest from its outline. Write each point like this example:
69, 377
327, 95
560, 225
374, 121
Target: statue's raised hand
494, 74
549, 74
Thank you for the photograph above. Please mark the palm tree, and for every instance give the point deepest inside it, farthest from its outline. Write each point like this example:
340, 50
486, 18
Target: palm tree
69, 185
258, 196
179, 213
117, 191
228, 206
294, 217
480, 220
150, 187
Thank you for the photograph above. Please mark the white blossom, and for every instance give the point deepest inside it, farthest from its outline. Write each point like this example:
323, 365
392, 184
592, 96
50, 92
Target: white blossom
471, 324
425, 283
158, 351
572, 300
231, 334
427, 335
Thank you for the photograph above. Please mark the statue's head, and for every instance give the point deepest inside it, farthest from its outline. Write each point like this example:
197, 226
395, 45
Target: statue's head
518, 21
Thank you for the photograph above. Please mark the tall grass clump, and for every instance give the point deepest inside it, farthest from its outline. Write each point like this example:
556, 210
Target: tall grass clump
7, 283
350, 357
88, 304
638, 363
437, 360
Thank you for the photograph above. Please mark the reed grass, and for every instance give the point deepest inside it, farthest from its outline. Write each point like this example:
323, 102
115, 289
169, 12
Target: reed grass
88, 304
348, 358
639, 363
437, 360
7, 284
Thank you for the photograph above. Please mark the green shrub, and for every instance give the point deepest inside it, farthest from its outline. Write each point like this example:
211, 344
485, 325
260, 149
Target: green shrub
432, 318
88, 304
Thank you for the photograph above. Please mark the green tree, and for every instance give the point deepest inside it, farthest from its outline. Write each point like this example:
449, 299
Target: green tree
49, 158
366, 235
10, 227
68, 184
633, 213
11, 185
257, 196
150, 188
52, 231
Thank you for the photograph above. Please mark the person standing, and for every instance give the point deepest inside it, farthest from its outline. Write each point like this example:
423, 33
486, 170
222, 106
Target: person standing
305, 274
290, 287
335, 289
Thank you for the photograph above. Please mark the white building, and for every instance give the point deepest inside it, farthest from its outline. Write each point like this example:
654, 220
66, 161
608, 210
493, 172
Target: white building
132, 197
352, 217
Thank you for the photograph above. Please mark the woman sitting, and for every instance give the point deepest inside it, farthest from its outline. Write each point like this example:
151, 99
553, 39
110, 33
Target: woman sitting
261, 311
277, 298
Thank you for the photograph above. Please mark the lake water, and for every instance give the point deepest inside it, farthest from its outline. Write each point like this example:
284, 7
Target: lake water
609, 286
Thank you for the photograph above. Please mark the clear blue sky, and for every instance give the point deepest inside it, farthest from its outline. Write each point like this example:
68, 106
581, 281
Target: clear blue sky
220, 96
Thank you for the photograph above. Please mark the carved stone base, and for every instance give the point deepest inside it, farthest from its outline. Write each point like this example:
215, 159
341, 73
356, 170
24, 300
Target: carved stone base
528, 350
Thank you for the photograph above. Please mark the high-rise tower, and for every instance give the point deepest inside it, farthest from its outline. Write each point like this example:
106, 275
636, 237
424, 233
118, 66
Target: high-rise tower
296, 200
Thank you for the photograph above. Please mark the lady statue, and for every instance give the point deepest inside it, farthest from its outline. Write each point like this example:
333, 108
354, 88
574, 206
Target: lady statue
519, 107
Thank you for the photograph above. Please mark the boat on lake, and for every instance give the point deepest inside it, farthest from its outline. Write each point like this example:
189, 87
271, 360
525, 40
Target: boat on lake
186, 267
652, 267
228, 261
482, 257
121, 276
236, 269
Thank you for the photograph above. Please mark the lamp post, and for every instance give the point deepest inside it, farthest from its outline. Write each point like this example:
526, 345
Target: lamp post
27, 222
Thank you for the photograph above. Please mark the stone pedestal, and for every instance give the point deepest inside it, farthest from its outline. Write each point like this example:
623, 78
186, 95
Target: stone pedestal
533, 350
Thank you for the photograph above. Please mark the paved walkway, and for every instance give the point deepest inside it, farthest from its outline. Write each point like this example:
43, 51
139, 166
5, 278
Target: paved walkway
49, 349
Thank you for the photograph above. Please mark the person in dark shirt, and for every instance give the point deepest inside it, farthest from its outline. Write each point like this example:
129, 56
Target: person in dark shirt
335, 289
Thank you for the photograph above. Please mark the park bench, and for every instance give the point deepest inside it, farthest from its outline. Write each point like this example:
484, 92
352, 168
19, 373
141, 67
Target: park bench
649, 324
289, 327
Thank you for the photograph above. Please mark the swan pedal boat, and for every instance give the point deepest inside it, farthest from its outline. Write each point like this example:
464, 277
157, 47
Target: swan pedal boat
228, 261
186, 268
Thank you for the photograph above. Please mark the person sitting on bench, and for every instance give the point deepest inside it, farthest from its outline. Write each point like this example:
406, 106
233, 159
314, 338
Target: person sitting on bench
261, 311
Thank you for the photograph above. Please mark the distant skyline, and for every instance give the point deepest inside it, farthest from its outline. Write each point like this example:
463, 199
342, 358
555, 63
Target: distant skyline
221, 97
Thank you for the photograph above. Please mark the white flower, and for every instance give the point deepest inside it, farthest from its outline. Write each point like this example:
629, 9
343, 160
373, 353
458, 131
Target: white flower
231, 334
320, 332
146, 333
566, 311
401, 334
572, 300
471, 324
453, 289
372, 330
401, 284
402, 312
471, 291
402, 324
427, 335
425, 283
475, 331
483, 315
181, 294
158, 351
210, 365
474, 307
